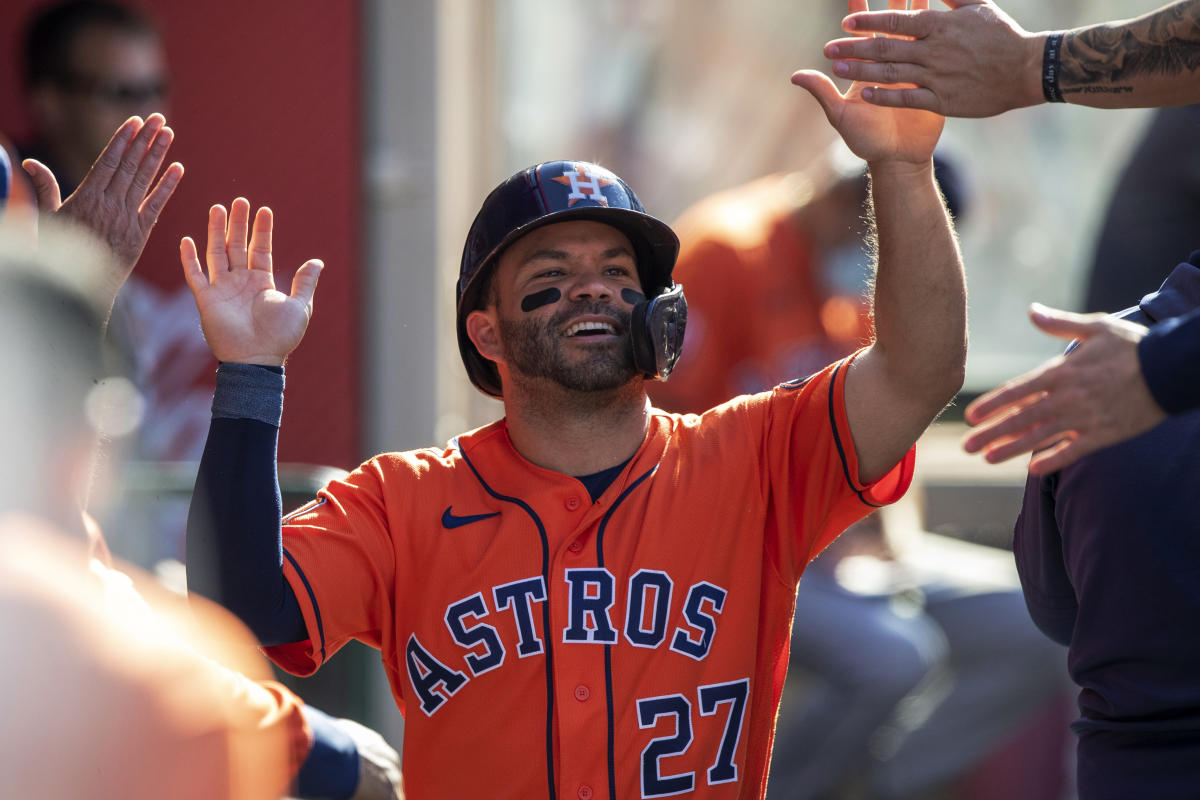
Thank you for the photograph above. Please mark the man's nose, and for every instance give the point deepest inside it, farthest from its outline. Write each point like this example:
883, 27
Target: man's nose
590, 286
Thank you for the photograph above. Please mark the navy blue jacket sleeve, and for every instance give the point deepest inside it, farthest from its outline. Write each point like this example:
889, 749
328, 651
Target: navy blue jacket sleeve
234, 541
1170, 358
1037, 546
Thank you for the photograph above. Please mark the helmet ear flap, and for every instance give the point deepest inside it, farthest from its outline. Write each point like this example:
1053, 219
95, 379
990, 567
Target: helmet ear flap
657, 330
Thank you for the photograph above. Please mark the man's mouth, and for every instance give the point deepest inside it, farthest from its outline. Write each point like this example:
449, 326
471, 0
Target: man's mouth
591, 328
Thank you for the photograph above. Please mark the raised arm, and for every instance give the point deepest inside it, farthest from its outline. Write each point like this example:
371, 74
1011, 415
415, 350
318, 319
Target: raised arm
973, 60
915, 365
234, 548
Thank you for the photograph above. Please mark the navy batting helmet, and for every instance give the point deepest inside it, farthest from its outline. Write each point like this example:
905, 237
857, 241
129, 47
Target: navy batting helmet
558, 191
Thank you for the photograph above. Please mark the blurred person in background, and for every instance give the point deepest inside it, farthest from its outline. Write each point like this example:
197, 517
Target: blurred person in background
102, 697
118, 203
88, 66
915, 679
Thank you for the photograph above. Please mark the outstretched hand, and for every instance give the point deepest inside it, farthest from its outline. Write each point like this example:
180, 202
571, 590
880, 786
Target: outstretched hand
875, 134
972, 60
1074, 404
244, 318
116, 201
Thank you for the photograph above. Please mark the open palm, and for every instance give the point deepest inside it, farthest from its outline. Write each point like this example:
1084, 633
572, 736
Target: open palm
244, 317
875, 133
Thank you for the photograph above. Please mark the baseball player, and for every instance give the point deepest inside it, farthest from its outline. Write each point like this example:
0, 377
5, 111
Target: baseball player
589, 598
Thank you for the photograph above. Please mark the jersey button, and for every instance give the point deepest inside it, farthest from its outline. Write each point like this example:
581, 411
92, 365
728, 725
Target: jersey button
585, 792
575, 546
582, 693
572, 504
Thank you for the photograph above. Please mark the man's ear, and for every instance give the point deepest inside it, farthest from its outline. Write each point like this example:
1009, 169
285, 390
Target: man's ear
483, 327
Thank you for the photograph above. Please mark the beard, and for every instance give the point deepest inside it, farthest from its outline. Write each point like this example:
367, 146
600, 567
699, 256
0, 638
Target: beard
536, 349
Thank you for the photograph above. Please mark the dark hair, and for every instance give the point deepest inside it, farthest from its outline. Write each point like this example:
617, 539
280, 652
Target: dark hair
52, 32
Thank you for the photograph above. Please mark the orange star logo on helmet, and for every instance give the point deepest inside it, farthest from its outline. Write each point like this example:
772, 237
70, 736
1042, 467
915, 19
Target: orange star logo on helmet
584, 186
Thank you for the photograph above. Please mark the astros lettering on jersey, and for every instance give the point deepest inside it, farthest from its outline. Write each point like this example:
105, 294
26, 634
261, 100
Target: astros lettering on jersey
544, 645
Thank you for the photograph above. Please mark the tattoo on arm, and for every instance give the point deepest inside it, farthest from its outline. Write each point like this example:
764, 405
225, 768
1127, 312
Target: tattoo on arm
1106, 58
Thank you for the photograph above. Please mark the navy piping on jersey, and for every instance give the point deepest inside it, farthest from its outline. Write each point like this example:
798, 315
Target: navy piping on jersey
798, 383
838, 441
608, 684
312, 597
545, 610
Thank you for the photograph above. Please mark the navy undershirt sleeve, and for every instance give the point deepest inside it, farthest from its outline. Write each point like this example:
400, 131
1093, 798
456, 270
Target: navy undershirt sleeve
234, 539
332, 766
1170, 359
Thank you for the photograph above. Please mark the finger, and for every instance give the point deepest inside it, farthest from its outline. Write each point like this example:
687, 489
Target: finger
898, 4
260, 240
133, 156
218, 259
105, 167
1066, 324
888, 72
1061, 455
894, 22
304, 282
153, 205
822, 89
855, 6
149, 166
45, 185
1017, 420
193, 273
912, 97
874, 48
1012, 393
1032, 439
235, 238
920, 5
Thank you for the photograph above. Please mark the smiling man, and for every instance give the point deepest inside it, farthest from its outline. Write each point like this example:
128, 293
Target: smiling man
589, 597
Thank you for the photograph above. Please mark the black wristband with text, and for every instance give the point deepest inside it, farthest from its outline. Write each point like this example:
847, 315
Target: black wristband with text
1050, 68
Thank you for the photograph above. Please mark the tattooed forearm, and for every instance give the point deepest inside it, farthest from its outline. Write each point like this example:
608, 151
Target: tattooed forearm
1107, 58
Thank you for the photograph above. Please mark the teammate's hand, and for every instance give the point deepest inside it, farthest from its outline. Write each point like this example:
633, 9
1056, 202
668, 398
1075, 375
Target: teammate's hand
115, 201
970, 61
245, 319
379, 775
1073, 404
876, 134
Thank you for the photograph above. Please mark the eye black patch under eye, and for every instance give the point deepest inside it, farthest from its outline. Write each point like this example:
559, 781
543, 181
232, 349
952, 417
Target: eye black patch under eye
632, 297
538, 299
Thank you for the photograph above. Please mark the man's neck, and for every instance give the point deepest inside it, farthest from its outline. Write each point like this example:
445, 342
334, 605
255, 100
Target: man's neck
576, 433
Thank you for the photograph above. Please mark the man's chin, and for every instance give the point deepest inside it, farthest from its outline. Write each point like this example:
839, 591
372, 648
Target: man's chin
584, 381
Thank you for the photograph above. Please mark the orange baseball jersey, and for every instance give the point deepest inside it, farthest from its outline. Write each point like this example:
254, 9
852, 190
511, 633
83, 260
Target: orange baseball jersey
544, 645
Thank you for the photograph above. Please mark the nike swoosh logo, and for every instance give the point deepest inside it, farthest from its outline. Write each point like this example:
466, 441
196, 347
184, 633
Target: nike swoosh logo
451, 520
